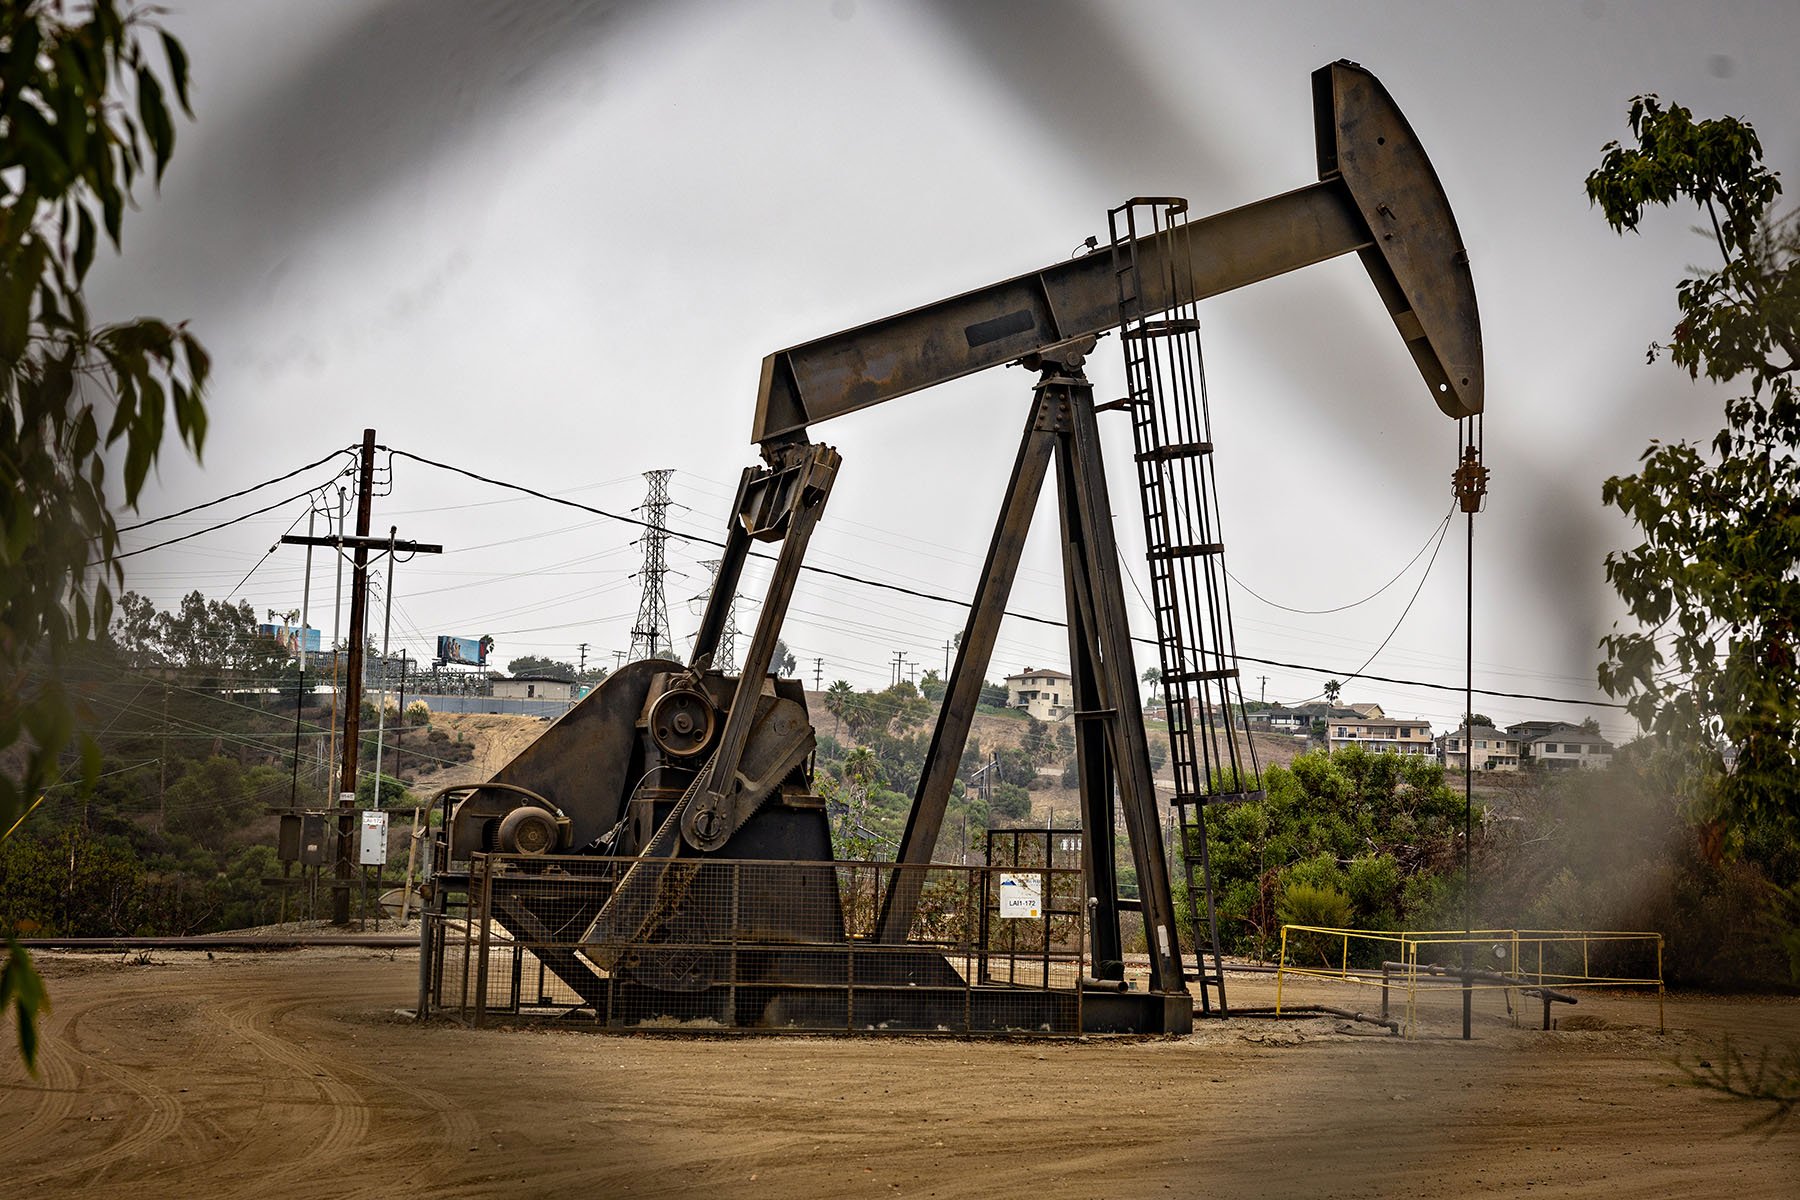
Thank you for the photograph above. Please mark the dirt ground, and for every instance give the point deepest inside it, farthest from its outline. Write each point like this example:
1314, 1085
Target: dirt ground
291, 1075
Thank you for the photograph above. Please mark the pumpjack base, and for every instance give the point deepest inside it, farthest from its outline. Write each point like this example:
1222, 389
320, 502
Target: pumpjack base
942, 1008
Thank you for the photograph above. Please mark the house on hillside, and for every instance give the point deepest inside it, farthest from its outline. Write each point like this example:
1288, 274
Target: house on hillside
1298, 720
1569, 749
1382, 735
1529, 731
1046, 694
1369, 712
1493, 749
533, 687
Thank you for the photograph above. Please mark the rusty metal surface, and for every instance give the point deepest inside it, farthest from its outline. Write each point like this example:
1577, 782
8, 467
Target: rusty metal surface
587, 762
1004, 322
1416, 255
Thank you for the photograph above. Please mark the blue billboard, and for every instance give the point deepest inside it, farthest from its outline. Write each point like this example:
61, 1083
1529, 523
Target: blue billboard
463, 652
290, 638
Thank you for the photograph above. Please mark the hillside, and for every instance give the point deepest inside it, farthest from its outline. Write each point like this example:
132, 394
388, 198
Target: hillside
493, 740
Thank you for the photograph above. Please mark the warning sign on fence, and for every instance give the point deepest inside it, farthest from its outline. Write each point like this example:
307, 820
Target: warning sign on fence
1021, 895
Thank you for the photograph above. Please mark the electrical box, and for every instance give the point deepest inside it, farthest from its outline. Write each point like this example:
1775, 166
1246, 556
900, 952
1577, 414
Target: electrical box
315, 839
371, 850
287, 844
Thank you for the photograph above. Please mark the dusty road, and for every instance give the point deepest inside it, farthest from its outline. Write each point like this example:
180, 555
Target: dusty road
288, 1075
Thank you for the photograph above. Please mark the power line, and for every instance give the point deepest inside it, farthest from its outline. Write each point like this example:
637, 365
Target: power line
221, 525
271, 550
1319, 612
961, 603
255, 487
1409, 606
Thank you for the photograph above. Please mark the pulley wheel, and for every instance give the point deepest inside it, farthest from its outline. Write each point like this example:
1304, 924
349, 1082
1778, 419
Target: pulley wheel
682, 722
528, 830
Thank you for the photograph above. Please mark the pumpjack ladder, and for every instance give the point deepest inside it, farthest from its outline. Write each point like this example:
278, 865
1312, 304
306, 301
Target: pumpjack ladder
1171, 429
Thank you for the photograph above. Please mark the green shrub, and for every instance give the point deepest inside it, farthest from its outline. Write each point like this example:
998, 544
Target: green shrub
1308, 904
1373, 883
1323, 907
1011, 801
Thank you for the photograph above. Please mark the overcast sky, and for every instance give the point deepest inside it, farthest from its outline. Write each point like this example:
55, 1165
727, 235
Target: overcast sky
552, 243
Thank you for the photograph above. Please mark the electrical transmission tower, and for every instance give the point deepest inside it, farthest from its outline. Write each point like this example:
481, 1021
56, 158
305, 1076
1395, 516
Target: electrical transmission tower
650, 634
725, 657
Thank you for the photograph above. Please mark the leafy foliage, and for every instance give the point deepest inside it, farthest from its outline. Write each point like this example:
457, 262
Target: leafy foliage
1379, 831
71, 148
209, 641
1715, 584
546, 668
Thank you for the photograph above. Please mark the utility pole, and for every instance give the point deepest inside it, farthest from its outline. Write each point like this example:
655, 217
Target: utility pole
899, 657
312, 513
361, 543
337, 629
387, 625
618, 659
1264, 680
581, 667
400, 732
162, 768
359, 588
818, 674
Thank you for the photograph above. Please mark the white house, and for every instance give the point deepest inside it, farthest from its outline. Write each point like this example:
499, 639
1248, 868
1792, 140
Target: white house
1045, 694
1567, 749
1383, 735
1494, 749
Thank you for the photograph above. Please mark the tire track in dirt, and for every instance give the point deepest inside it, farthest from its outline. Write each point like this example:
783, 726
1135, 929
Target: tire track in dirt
350, 1094
163, 1109
56, 1087
347, 1114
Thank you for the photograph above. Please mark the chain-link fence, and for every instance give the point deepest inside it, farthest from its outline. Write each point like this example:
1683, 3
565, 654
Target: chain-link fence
721, 944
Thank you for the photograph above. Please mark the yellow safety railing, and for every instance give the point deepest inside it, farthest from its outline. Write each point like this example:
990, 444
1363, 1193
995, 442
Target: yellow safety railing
1544, 962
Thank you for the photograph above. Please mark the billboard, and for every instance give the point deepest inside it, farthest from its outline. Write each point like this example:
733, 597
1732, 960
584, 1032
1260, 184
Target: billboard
290, 639
463, 652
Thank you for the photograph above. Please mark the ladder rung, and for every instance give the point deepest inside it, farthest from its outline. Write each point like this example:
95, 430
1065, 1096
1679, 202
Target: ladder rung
1195, 551
1170, 328
1204, 676
1177, 450
1122, 403
1211, 798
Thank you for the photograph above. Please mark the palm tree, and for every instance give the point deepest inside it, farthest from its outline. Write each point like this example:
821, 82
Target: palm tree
1332, 689
1153, 677
836, 697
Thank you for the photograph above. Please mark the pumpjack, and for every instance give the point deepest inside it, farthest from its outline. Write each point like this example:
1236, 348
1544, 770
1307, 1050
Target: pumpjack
667, 765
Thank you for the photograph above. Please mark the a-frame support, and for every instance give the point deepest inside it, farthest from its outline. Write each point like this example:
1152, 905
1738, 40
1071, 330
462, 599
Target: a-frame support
1112, 755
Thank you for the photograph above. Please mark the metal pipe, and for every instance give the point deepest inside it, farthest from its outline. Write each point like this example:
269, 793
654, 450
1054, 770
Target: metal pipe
222, 942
